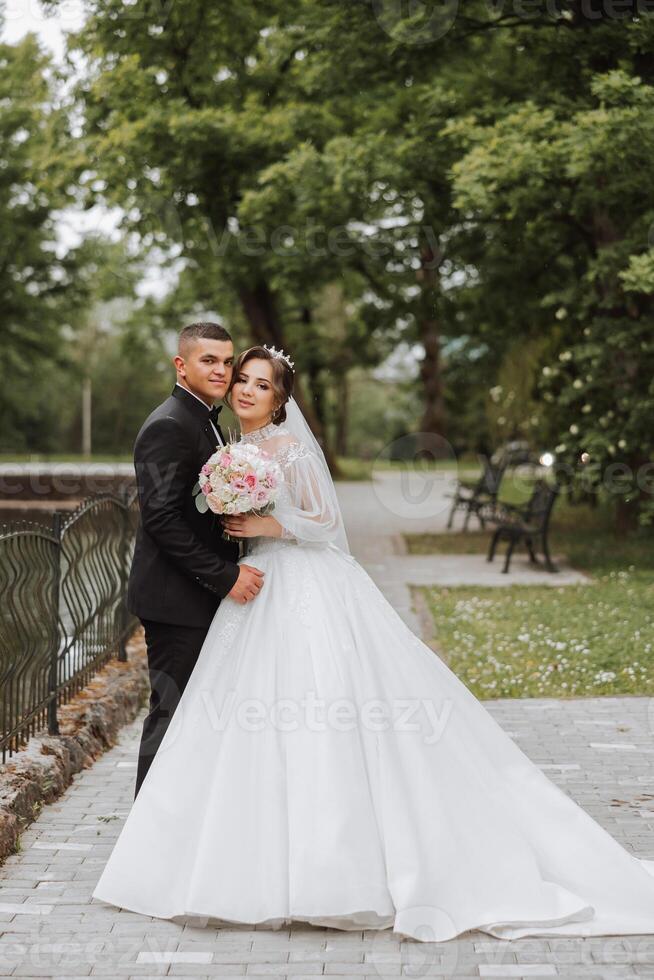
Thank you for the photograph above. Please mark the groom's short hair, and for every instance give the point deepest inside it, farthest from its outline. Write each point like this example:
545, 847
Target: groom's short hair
203, 330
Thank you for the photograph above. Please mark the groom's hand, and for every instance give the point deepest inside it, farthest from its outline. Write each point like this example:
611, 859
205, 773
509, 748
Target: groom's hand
247, 585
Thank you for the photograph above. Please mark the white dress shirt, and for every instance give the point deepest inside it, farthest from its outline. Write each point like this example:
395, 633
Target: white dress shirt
217, 434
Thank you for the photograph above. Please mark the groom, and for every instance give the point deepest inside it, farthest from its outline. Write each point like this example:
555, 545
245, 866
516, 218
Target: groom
182, 565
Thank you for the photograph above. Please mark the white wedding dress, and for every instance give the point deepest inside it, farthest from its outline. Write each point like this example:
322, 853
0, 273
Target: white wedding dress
324, 765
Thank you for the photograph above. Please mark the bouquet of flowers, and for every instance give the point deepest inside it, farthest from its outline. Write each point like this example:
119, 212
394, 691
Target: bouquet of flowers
238, 479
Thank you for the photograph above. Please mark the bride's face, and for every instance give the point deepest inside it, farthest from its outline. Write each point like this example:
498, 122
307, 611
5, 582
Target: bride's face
253, 396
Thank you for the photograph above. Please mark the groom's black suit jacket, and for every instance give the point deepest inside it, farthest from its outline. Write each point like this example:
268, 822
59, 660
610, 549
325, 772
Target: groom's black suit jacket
182, 565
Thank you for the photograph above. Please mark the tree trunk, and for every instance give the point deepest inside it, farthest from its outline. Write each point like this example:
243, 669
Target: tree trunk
606, 234
433, 418
627, 512
626, 515
260, 310
317, 418
261, 313
342, 412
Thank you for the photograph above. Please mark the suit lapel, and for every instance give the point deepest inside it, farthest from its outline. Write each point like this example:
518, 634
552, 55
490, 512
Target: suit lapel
210, 434
200, 412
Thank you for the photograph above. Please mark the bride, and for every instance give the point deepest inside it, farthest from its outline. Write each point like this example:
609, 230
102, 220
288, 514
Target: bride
324, 765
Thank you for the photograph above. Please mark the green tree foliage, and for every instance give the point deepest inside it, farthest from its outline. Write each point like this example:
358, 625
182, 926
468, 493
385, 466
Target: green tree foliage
33, 279
561, 178
339, 177
283, 147
116, 342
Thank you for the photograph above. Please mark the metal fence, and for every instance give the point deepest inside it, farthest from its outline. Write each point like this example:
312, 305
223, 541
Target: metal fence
63, 608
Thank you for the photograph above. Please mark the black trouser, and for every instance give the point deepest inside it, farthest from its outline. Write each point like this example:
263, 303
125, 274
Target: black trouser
172, 654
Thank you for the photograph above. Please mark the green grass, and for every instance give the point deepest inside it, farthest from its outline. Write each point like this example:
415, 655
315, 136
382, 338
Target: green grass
552, 641
353, 468
63, 458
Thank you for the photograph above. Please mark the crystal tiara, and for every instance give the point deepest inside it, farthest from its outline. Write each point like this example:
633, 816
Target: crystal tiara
280, 354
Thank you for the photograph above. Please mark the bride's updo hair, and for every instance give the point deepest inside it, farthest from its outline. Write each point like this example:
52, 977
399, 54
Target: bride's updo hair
282, 379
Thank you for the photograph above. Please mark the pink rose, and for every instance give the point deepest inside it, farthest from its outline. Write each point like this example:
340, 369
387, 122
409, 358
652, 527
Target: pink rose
206, 489
259, 497
225, 459
206, 469
239, 485
252, 481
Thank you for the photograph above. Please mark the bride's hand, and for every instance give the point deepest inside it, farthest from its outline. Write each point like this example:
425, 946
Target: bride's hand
252, 526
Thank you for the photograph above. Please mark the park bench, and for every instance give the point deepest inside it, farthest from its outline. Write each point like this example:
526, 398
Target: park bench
479, 496
529, 522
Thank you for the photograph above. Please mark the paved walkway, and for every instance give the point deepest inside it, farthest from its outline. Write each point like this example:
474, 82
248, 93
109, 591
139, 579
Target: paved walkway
599, 750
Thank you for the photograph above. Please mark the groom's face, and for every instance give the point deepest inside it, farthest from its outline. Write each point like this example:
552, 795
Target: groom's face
206, 366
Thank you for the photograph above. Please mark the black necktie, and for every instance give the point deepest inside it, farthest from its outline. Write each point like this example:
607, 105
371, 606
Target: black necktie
214, 413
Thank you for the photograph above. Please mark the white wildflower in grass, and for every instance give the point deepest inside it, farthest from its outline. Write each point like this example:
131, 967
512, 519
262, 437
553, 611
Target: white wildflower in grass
566, 641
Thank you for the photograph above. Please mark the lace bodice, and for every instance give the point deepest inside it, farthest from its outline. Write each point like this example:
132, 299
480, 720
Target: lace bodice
285, 449
305, 504
263, 433
278, 441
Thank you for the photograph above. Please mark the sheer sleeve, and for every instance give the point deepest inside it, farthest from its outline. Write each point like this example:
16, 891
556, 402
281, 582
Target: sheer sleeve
307, 510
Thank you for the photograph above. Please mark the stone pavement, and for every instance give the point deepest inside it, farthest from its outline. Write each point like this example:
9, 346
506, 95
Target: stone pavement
598, 750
